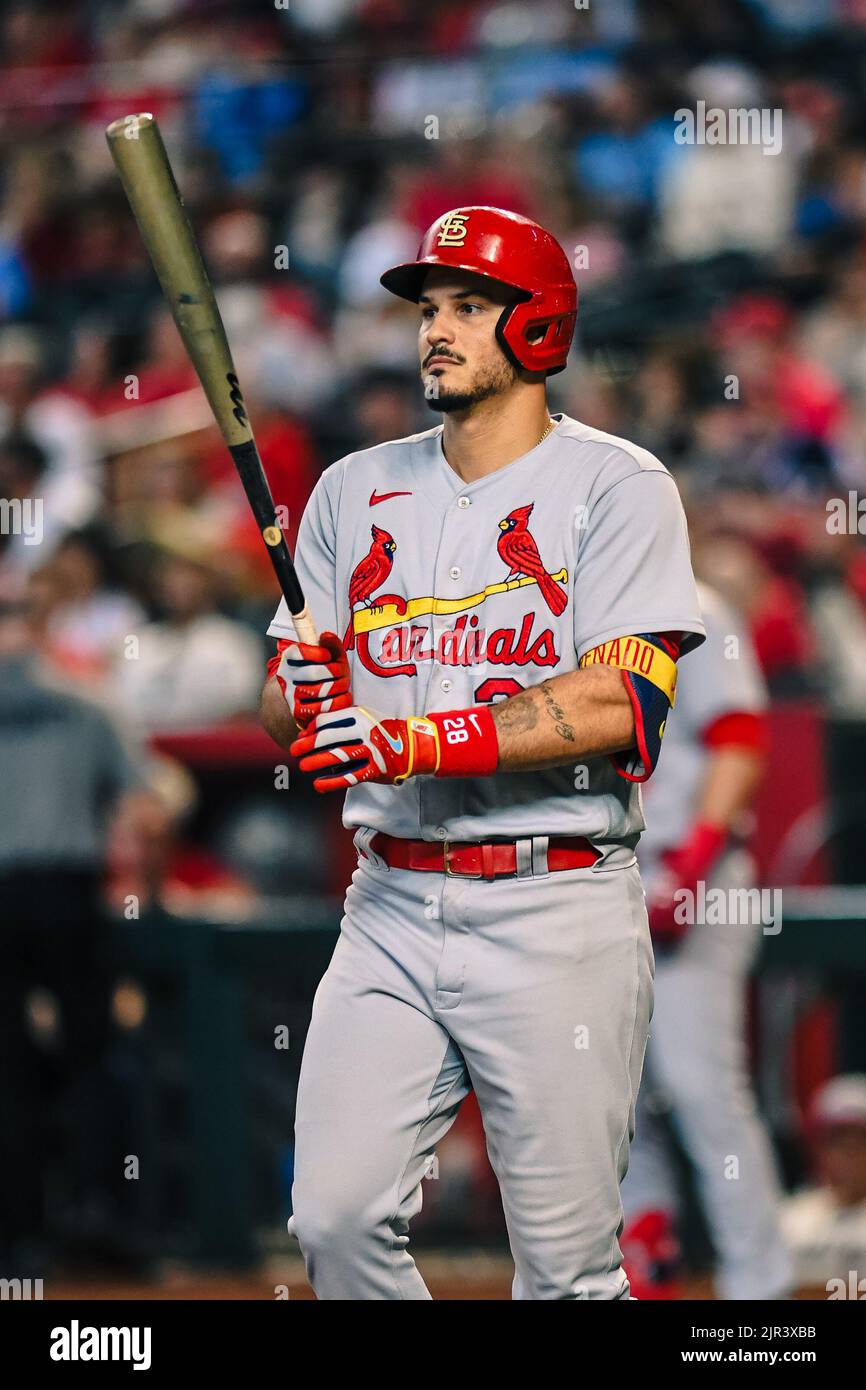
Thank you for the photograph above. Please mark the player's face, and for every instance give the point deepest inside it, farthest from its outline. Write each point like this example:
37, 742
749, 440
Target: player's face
461, 361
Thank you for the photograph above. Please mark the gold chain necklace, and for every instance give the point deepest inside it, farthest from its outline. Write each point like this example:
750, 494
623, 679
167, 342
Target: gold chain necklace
550, 425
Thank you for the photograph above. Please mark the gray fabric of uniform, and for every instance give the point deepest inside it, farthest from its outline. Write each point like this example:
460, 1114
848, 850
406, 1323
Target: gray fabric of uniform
537, 991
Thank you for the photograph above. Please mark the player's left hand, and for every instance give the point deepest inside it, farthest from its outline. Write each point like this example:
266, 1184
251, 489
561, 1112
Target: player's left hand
680, 870
358, 745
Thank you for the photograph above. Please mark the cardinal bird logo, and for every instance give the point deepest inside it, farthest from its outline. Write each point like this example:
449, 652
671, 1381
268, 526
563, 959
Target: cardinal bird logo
370, 573
517, 548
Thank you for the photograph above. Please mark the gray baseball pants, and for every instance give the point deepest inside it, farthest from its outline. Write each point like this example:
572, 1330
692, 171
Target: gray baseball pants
534, 991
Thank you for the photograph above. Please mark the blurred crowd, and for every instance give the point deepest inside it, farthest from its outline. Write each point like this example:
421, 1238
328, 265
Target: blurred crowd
723, 296
723, 293
722, 325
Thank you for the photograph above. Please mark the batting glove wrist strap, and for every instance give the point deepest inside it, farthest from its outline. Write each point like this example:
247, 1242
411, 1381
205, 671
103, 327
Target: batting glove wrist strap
468, 742
356, 745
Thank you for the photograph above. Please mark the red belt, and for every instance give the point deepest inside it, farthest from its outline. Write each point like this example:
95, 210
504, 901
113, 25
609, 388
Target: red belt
473, 859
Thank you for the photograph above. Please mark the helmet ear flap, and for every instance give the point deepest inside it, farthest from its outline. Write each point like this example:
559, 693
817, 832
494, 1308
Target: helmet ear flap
542, 354
545, 335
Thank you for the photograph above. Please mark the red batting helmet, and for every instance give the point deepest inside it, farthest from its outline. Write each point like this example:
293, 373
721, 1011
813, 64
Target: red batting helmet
516, 252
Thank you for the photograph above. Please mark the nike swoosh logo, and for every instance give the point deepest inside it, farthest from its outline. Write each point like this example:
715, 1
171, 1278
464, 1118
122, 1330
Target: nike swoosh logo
395, 743
383, 496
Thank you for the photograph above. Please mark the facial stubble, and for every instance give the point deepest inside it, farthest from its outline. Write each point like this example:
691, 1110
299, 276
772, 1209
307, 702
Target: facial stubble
498, 378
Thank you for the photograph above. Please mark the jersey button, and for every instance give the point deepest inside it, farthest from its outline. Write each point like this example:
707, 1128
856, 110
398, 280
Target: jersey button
455, 571
464, 501
447, 685
440, 832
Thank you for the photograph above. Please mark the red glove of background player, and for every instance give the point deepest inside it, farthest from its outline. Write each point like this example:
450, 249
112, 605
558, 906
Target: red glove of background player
679, 869
313, 679
458, 743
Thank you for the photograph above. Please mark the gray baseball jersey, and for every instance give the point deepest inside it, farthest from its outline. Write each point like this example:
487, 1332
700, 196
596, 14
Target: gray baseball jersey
406, 560
724, 679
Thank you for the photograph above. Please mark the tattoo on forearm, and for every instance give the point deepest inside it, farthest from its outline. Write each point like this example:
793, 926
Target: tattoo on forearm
556, 712
520, 714
517, 715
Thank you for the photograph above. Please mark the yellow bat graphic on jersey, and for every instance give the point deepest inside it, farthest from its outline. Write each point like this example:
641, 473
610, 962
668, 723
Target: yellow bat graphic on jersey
388, 614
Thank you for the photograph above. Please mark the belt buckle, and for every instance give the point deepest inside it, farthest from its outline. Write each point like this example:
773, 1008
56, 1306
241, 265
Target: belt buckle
452, 873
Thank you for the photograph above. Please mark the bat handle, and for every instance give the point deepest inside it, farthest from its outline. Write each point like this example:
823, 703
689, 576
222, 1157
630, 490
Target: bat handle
305, 627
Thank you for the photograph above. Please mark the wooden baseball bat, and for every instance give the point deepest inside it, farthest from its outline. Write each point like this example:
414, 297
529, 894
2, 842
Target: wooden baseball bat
142, 163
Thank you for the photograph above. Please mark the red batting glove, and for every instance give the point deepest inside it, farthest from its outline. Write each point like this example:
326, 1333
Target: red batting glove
314, 679
682, 868
357, 745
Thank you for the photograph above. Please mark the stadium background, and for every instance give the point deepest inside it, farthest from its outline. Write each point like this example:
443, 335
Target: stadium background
721, 324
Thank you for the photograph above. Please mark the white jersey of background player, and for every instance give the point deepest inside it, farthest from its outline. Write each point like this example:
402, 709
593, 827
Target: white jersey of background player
512, 592
696, 1059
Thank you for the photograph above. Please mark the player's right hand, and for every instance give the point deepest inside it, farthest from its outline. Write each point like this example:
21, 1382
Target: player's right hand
314, 679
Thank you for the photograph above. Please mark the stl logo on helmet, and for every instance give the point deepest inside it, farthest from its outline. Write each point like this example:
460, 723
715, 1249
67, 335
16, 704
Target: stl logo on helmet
452, 229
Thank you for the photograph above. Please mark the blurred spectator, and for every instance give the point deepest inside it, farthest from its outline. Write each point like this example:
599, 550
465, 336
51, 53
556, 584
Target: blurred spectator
70, 485
834, 333
729, 196
597, 248
832, 199
14, 280
368, 330
591, 396
272, 322
90, 378
322, 18
838, 608
623, 160
243, 99
191, 486
314, 227
825, 1225
275, 848
194, 666
774, 607
386, 406
790, 410
22, 467
390, 235
468, 171
661, 389
166, 369
65, 771
154, 858
85, 631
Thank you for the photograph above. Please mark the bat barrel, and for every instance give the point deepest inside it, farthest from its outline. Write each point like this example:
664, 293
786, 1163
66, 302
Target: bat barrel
139, 153
145, 172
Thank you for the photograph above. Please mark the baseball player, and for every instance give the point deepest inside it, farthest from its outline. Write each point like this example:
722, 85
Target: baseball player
511, 592
706, 928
